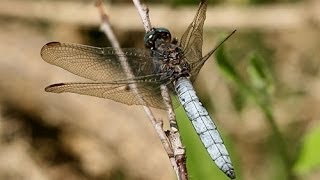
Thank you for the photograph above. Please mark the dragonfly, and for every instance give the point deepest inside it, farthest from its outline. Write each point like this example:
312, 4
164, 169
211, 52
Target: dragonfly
164, 61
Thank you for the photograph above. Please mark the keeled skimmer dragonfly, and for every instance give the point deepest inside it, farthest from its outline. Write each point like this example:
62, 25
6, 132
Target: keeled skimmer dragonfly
163, 62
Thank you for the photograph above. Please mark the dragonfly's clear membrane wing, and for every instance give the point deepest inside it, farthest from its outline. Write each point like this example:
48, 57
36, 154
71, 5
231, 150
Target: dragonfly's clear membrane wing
119, 92
102, 65
191, 40
95, 63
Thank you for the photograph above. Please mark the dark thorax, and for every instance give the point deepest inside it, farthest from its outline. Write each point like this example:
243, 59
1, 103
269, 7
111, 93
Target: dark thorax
168, 53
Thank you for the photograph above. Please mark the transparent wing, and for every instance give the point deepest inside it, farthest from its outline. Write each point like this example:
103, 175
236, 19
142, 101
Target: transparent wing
118, 91
196, 66
191, 40
99, 64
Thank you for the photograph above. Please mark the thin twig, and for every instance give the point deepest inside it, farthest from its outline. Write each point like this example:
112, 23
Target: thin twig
144, 14
174, 136
158, 125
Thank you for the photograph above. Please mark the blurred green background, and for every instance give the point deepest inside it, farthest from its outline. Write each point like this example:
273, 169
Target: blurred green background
262, 88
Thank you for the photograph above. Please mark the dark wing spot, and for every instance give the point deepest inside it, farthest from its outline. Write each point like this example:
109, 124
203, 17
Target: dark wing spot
52, 44
51, 87
48, 45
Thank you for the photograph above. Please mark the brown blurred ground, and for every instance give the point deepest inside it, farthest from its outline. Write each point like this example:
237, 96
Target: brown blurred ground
49, 136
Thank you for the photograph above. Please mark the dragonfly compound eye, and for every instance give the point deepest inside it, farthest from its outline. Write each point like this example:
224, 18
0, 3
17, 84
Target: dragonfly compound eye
154, 34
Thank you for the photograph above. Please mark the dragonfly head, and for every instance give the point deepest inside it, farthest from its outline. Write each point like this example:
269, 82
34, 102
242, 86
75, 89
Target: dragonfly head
156, 35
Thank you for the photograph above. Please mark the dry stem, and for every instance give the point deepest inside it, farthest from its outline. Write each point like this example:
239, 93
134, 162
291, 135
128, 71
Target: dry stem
174, 136
158, 125
175, 150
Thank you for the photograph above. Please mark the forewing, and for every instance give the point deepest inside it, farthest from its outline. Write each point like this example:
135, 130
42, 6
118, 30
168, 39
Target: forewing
191, 41
99, 64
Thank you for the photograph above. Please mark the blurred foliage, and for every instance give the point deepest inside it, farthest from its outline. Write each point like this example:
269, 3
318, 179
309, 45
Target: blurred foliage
260, 77
252, 61
257, 90
260, 90
309, 158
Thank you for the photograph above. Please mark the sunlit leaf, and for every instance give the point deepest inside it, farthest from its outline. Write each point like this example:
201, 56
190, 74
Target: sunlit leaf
309, 157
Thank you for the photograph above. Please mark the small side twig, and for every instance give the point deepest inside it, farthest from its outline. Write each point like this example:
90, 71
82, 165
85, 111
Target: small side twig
174, 136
